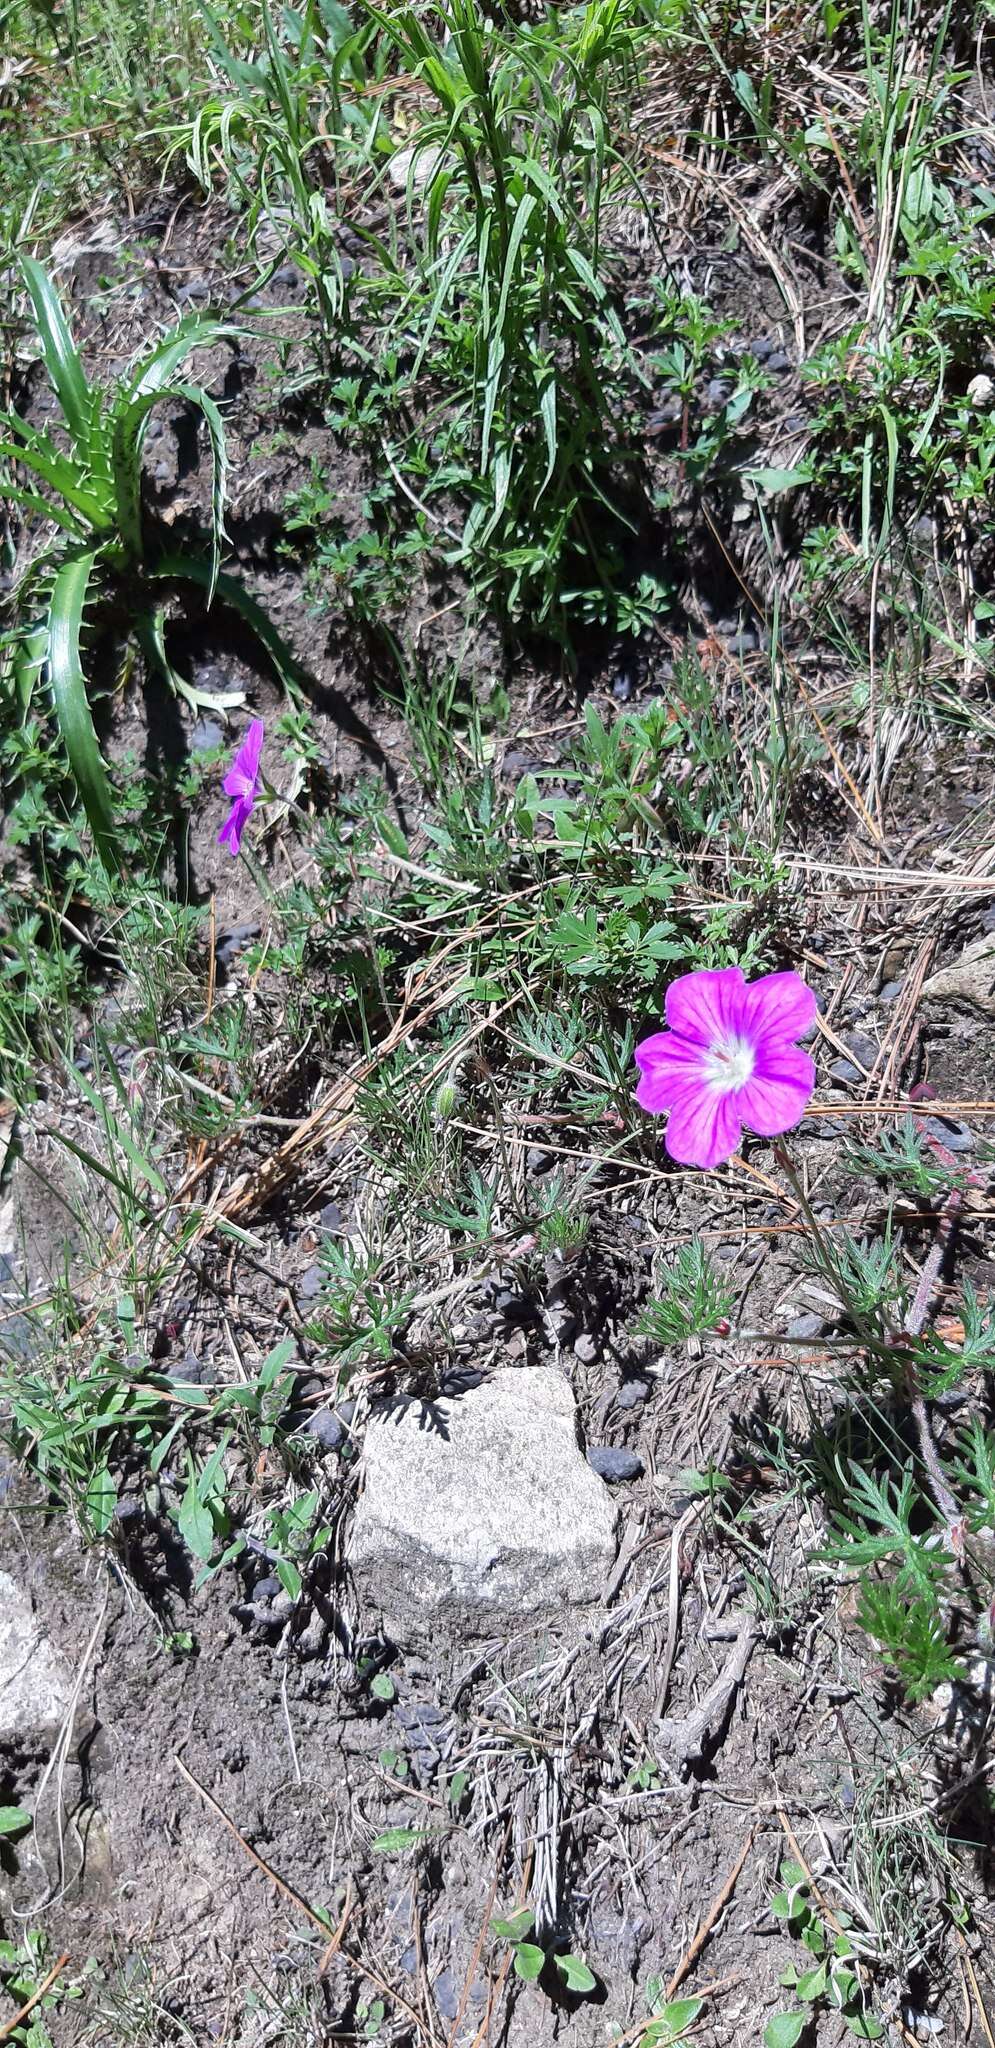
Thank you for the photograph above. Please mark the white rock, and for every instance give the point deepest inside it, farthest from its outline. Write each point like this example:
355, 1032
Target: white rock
971, 978
981, 390
35, 1681
480, 1509
417, 163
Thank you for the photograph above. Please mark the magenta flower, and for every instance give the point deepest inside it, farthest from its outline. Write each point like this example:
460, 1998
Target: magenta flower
728, 1059
242, 783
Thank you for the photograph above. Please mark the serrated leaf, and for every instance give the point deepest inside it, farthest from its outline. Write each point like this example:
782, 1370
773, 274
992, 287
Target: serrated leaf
157, 370
68, 686
59, 353
219, 472
150, 632
187, 569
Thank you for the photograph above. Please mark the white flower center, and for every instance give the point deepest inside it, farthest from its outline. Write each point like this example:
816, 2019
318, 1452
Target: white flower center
729, 1064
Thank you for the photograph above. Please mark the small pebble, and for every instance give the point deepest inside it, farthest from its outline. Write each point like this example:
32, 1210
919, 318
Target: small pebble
330, 1217
324, 1426
778, 361
309, 1284
538, 1161
891, 989
613, 1465
268, 1588
460, 1379
806, 1326
863, 1048
842, 1070
632, 1393
762, 347
230, 940
516, 763
718, 391
446, 1994
207, 734
586, 1347
742, 643
419, 1720
956, 1137
190, 1370
509, 1301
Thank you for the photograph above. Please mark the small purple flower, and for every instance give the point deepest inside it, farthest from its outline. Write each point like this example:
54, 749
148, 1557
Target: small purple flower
242, 783
728, 1059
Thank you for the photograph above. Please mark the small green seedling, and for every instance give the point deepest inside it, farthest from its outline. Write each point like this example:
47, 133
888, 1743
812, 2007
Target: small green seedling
530, 1960
831, 1978
671, 2017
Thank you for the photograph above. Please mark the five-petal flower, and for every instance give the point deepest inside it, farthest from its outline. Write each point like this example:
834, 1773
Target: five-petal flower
728, 1059
242, 783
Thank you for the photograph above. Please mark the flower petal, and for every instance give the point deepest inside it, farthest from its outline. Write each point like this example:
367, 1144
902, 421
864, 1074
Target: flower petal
780, 1006
242, 779
707, 1005
231, 831
778, 1094
667, 1064
704, 1127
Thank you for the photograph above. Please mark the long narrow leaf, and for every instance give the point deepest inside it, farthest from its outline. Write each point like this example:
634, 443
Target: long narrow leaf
68, 686
44, 507
151, 636
27, 663
194, 395
158, 369
187, 569
61, 357
115, 1128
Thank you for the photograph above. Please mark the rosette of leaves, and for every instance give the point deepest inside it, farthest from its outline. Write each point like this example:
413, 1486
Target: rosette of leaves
97, 557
